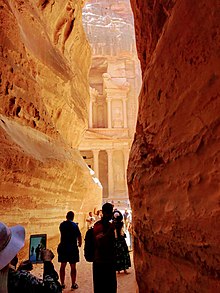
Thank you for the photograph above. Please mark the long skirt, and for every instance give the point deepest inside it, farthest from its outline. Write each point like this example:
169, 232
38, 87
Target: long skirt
123, 261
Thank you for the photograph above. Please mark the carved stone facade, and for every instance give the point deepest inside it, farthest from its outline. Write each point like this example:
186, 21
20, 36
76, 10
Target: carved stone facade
112, 116
115, 80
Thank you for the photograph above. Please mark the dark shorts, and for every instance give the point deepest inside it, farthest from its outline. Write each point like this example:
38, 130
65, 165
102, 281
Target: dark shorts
68, 253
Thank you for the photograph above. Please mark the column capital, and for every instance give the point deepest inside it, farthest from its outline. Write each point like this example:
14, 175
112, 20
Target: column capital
109, 151
95, 151
125, 150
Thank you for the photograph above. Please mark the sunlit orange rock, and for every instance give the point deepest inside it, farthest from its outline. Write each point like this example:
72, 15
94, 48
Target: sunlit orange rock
44, 100
173, 172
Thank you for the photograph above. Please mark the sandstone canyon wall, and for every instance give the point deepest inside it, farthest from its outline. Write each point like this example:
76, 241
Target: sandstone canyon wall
173, 171
44, 97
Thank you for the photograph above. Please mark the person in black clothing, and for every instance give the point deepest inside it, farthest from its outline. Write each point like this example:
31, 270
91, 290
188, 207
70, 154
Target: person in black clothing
123, 261
68, 248
104, 273
37, 250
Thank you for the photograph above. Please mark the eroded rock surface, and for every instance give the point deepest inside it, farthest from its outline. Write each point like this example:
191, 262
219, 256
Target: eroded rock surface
173, 173
44, 100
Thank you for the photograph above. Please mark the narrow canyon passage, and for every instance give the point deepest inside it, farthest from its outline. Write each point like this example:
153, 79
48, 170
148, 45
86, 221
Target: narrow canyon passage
85, 118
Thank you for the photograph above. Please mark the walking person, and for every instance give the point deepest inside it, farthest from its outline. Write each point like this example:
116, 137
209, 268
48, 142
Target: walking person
127, 219
68, 251
90, 220
104, 274
97, 214
123, 261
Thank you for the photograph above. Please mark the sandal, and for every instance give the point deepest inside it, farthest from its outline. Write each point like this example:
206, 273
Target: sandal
74, 286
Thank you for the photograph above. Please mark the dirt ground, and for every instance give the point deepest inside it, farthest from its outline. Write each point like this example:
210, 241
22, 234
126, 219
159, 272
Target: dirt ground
126, 283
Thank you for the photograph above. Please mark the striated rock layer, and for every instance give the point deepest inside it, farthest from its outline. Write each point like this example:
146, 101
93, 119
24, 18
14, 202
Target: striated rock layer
173, 171
44, 96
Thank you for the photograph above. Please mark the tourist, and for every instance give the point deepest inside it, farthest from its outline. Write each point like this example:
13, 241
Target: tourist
130, 234
104, 274
123, 261
98, 214
37, 251
126, 219
68, 250
21, 280
90, 220
32, 250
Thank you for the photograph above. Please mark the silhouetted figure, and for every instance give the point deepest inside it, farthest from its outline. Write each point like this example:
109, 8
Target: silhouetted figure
123, 261
32, 250
104, 274
37, 251
68, 249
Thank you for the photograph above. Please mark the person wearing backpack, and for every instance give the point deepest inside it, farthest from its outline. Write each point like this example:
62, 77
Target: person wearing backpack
104, 273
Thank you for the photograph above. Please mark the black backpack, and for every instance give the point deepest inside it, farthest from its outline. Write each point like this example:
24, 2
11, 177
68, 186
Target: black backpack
89, 246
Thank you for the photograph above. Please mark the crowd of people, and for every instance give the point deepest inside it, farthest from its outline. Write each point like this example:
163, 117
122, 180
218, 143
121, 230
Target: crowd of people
111, 254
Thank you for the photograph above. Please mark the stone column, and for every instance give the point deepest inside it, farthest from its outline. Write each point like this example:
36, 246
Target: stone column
96, 162
125, 112
92, 107
110, 174
90, 113
126, 156
109, 112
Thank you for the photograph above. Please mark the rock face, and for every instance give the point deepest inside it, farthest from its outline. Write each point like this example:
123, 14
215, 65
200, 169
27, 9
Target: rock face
173, 171
44, 100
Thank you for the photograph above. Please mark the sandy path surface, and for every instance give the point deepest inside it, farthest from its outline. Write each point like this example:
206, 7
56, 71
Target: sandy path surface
126, 283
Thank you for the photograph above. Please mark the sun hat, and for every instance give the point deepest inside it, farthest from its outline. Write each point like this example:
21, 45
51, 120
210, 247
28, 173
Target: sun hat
11, 241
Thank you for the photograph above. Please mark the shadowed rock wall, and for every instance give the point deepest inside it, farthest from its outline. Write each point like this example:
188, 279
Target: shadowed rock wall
44, 96
173, 171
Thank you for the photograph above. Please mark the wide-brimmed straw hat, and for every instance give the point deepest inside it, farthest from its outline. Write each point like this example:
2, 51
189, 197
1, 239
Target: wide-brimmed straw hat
11, 241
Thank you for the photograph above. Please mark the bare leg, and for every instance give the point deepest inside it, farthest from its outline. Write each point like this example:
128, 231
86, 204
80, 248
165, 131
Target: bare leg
62, 272
73, 273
